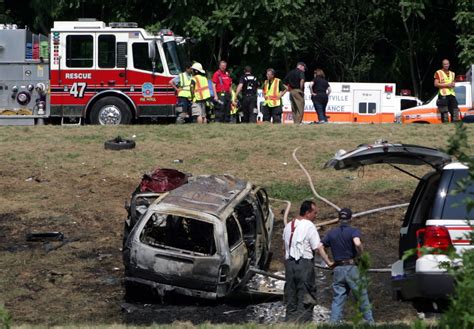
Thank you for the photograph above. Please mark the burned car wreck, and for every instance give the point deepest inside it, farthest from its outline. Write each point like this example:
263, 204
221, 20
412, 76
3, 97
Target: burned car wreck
197, 236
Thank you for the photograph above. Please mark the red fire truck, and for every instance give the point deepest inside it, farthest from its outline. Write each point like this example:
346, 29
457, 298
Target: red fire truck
93, 72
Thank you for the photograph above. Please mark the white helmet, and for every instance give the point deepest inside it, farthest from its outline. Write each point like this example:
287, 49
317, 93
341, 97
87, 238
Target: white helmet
198, 67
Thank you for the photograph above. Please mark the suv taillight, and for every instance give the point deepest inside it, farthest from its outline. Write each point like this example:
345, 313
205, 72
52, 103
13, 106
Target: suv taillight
433, 237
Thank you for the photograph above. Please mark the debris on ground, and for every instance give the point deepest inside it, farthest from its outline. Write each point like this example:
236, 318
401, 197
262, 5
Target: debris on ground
45, 236
265, 283
271, 313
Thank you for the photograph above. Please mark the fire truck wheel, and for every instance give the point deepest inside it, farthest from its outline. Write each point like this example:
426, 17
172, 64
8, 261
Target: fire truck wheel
110, 111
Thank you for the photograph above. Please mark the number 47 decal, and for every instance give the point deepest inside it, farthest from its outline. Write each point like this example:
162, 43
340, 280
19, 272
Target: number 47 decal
78, 89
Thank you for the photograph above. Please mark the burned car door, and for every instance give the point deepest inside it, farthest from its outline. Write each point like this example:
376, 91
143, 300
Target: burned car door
237, 249
177, 250
266, 231
249, 216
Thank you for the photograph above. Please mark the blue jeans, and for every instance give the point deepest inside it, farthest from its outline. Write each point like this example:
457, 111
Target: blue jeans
346, 278
320, 110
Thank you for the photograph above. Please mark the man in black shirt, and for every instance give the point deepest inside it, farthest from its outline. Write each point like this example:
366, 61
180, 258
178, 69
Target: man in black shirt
295, 82
345, 243
248, 84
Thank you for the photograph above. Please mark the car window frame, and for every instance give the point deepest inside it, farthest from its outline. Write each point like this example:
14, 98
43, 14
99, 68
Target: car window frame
239, 242
265, 210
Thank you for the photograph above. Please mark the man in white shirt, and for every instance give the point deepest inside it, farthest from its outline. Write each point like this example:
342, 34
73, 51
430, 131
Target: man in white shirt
301, 240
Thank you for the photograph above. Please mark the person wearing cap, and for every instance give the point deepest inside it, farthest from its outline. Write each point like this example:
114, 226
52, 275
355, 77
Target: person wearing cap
345, 244
301, 240
200, 93
295, 82
182, 85
223, 97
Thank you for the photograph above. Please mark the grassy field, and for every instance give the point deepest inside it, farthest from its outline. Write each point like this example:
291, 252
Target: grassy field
61, 178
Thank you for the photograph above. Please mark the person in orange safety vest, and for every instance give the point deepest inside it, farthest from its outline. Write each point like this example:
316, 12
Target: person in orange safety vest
200, 93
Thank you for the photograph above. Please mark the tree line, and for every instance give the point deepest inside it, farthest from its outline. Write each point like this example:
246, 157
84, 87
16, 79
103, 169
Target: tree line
351, 40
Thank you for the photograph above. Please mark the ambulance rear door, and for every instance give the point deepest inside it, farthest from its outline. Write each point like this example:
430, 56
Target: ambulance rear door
367, 106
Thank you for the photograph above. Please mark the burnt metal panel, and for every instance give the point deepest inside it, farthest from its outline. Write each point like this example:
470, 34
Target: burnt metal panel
210, 194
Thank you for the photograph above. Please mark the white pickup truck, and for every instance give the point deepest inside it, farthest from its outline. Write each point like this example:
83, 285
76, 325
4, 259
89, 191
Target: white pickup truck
428, 112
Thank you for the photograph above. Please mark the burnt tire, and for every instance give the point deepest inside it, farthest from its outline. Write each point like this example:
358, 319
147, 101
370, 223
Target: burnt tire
118, 144
110, 111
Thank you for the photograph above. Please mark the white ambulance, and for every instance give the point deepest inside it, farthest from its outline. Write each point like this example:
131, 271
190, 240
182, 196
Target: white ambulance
355, 102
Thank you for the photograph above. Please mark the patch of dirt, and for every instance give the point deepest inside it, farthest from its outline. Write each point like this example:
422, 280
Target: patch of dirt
79, 280
88, 270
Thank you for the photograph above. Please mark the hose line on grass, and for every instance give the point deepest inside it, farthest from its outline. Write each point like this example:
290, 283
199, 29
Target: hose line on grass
287, 209
333, 221
311, 182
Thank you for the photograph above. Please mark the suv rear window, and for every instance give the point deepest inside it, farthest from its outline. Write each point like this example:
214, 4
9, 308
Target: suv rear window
454, 208
163, 230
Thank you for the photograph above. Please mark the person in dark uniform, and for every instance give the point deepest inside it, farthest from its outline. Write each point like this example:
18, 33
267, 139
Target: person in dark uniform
248, 85
295, 82
345, 245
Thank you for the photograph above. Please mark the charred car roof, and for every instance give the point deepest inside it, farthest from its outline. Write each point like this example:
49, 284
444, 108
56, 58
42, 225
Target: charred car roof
209, 194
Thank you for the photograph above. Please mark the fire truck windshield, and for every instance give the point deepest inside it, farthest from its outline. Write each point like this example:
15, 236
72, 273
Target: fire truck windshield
175, 57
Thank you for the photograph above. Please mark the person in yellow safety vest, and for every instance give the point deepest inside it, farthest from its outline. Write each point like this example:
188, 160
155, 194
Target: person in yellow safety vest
200, 93
182, 85
444, 81
234, 109
210, 106
273, 91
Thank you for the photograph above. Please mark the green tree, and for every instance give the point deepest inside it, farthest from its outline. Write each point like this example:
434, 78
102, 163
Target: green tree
411, 12
355, 40
464, 20
346, 45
